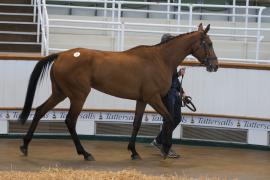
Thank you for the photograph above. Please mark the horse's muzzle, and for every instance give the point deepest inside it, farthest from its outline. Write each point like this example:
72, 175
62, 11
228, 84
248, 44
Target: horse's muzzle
212, 68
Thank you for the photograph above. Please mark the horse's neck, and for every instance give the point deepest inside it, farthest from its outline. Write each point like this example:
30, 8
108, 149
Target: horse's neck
174, 51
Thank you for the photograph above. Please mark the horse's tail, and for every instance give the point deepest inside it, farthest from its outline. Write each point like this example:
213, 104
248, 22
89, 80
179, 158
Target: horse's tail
38, 73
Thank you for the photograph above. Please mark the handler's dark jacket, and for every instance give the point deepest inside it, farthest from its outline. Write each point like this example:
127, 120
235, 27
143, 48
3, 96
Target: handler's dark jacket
176, 85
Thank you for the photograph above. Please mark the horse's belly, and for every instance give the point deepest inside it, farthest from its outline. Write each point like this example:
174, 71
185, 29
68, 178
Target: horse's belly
119, 90
120, 94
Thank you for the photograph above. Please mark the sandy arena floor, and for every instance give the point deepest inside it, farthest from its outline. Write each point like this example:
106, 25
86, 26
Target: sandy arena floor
195, 161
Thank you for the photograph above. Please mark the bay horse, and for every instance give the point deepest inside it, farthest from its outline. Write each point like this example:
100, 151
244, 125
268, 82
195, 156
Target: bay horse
142, 73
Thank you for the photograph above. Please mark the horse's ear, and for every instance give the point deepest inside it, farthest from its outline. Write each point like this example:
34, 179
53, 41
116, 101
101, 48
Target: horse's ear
200, 27
207, 29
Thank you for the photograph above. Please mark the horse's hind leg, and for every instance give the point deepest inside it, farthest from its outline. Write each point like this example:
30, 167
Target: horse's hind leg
71, 121
52, 101
140, 107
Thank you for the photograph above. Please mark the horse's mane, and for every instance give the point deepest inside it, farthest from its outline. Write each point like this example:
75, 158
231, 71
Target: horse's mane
161, 43
174, 37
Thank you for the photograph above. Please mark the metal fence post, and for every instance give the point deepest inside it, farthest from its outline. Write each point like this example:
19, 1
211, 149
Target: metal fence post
168, 9
35, 10
259, 33
46, 24
38, 21
122, 36
105, 9
113, 18
113, 9
179, 14
190, 17
246, 19
119, 4
233, 18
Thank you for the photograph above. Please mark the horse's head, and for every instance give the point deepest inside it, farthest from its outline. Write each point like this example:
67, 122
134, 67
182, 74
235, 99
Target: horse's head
203, 50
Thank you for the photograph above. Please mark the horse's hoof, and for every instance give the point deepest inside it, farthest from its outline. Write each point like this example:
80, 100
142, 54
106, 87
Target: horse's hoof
135, 157
164, 152
24, 150
89, 157
165, 157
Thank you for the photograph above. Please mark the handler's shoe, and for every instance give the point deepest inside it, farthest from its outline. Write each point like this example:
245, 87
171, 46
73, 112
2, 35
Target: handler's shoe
171, 154
155, 144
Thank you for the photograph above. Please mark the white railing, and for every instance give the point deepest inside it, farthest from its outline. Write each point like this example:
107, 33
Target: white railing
121, 28
40, 10
117, 8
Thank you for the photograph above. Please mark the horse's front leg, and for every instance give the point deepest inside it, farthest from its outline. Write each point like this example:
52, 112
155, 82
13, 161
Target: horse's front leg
168, 124
140, 107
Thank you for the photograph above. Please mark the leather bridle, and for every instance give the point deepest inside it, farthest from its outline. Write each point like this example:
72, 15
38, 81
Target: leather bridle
206, 60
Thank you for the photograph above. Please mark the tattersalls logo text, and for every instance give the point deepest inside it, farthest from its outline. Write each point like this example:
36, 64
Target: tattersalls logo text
151, 117
215, 122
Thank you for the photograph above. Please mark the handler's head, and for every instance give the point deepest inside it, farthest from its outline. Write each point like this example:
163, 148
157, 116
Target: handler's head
166, 37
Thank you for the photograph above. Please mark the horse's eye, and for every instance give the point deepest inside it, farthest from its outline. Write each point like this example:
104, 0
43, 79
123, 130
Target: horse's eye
210, 44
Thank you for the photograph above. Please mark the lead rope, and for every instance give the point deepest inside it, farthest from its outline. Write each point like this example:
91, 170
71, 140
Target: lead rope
188, 103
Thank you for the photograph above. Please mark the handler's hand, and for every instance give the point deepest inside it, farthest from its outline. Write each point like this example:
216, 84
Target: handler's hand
186, 99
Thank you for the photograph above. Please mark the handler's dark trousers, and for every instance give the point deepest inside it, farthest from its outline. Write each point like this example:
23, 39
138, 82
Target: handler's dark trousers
172, 102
